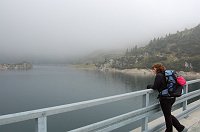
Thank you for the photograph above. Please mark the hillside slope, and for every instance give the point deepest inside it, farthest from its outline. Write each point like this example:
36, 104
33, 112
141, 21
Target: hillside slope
179, 51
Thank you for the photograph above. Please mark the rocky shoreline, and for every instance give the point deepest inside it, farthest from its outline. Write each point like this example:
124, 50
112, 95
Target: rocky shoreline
148, 72
135, 71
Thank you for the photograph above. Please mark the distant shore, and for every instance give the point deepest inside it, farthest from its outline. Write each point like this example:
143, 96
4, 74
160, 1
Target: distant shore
19, 66
84, 67
134, 71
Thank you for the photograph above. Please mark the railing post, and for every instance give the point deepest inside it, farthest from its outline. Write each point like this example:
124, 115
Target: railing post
41, 124
185, 90
146, 119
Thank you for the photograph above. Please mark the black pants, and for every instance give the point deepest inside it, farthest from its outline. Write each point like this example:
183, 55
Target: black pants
170, 120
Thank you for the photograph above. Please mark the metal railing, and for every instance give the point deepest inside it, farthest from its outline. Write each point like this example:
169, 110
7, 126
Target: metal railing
144, 113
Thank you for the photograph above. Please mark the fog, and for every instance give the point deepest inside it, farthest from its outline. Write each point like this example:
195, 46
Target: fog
62, 29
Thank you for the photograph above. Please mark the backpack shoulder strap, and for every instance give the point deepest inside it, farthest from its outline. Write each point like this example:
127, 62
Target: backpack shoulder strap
170, 75
169, 72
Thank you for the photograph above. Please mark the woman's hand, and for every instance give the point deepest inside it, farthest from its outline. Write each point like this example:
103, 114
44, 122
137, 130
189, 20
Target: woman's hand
150, 86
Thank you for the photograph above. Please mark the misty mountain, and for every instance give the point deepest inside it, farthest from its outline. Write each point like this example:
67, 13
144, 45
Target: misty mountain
179, 51
99, 56
186, 43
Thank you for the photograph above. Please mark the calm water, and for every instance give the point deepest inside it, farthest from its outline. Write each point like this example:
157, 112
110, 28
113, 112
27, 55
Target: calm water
46, 86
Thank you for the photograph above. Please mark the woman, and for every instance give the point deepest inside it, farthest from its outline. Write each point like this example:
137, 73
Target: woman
165, 102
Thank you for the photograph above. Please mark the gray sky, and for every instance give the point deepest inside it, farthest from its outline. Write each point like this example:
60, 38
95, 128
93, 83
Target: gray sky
65, 28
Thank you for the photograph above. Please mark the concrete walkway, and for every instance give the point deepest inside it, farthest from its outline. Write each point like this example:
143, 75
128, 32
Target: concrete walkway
195, 127
192, 121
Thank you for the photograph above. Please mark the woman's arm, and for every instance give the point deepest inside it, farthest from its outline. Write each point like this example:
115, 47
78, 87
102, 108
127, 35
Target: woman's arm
158, 82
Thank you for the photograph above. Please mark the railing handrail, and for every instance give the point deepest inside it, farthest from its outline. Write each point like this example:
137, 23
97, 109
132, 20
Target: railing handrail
192, 81
43, 113
27, 115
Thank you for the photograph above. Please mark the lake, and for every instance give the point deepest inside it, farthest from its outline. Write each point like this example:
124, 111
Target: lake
46, 86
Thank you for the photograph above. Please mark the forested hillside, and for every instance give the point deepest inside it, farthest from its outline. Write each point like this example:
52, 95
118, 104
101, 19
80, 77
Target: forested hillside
180, 51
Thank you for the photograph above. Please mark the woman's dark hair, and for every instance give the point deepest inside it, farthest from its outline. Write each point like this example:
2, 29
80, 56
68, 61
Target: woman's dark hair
159, 67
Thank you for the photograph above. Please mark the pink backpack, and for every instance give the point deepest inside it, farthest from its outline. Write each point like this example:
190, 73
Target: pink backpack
181, 80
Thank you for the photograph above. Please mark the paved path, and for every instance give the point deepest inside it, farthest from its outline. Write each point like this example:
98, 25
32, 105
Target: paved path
192, 121
195, 127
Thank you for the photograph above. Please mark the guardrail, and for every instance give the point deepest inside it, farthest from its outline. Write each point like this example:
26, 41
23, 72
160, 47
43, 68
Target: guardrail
144, 113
